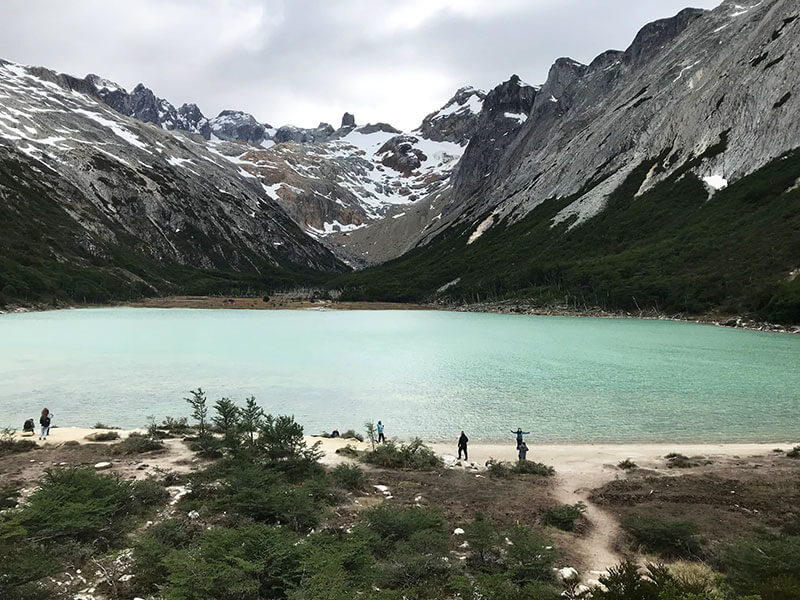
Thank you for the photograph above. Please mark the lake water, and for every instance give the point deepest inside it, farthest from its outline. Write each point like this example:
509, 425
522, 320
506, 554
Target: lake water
423, 373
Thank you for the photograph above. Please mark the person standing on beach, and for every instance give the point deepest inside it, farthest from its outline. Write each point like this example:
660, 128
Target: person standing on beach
520, 433
523, 451
44, 421
462, 446
381, 437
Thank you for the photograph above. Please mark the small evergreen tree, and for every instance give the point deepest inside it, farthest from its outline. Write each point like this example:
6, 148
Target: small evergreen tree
251, 417
199, 410
227, 421
372, 433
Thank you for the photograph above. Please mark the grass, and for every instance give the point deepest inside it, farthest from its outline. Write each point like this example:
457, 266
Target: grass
626, 465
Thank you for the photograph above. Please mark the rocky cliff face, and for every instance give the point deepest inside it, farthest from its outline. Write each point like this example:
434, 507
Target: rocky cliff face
707, 92
456, 120
94, 186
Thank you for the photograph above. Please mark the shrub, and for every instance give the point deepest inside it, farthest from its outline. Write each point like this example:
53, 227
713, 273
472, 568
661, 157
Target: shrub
349, 477
484, 542
106, 436
626, 465
529, 557
529, 467
794, 452
348, 451
8, 445
176, 426
280, 443
247, 563
679, 461
82, 505
671, 539
351, 434
415, 456
103, 426
136, 443
263, 495
413, 528
766, 564
9, 494
564, 517
152, 547
504, 470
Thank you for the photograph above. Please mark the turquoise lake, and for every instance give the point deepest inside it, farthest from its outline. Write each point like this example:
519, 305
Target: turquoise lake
425, 373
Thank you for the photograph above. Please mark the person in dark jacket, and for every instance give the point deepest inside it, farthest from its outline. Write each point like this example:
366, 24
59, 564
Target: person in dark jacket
523, 451
462, 446
520, 433
44, 421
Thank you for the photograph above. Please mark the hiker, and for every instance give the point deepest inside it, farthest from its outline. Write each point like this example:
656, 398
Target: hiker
523, 451
520, 433
28, 428
381, 437
335, 433
462, 446
44, 421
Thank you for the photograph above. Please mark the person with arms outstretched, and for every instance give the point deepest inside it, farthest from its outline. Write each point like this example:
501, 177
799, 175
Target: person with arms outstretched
462, 446
520, 433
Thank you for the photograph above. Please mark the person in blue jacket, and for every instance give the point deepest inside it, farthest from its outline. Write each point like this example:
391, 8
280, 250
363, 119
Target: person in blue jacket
381, 437
520, 433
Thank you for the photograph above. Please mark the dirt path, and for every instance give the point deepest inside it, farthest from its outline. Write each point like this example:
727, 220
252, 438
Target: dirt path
596, 547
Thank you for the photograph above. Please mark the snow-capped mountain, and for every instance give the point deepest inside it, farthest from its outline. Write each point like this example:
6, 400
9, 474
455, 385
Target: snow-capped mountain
92, 186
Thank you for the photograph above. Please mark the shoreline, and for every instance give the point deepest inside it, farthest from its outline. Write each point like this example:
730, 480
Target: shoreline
589, 454
511, 307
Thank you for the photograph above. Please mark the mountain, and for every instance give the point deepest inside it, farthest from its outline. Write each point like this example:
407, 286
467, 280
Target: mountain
96, 205
664, 177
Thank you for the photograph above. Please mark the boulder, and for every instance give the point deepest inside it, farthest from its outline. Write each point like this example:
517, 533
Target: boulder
102, 466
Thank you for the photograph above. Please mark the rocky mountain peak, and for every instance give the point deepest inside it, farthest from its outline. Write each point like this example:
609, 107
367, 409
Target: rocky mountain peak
456, 120
348, 120
513, 96
654, 36
238, 126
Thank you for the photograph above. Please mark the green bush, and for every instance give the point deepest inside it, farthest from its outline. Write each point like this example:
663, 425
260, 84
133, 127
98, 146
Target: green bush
280, 443
794, 452
504, 470
81, 505
529, 556
484, 545
136, 443
626, 465
410, 528
414, 456
767, 564
9, 494
152, 547
349, 477
247, 563
106, 436
249, 490
564, 517
670, 539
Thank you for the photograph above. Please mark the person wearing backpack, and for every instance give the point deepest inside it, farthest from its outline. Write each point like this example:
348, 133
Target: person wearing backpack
44, 421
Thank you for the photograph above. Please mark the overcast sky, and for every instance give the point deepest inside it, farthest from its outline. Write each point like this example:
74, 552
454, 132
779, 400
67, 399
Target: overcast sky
305, 61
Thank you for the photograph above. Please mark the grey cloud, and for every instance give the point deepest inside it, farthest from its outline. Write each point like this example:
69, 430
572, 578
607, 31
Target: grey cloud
304, 61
